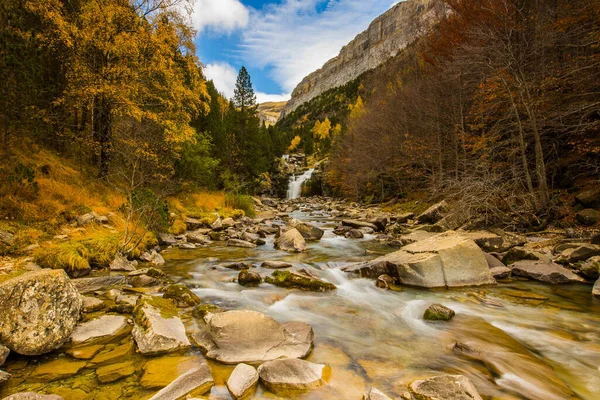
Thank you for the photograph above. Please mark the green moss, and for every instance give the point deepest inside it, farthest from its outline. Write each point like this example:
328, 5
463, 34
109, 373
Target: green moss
165, 307
290, 279
438, 312
182, 295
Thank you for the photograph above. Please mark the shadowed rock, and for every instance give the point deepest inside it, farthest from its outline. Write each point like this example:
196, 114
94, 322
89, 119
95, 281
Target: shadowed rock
547, 272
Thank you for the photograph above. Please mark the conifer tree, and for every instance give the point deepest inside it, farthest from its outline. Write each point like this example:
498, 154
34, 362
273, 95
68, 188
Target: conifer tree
244, 97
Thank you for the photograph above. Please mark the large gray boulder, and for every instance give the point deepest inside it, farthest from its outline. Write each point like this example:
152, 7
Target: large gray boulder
445, 387
292, 374
244, 336
195, 382
291, 241
39, 311
242, 381
445, 260
308, 231
157, 327
543, 271
101, 330
122, 264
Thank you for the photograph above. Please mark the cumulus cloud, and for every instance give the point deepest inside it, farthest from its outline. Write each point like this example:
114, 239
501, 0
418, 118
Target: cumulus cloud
223, 16
223, 75
268, 98
296, 37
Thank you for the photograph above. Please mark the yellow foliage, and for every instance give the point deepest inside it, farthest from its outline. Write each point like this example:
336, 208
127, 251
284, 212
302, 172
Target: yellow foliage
322, 130
357, 109
70, 256
295, 143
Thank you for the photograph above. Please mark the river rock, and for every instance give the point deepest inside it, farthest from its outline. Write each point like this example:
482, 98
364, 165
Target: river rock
581, 253
354, 234
497, 267
375, 394
157, 327
166, 239
181, 295
589, 198
88, 285
159, 372
275, 265
4, 352
244, 336
358, 224
291, 241
521, 254
438, 312
197, 237
289, 279
86, 219
547, 272
121, 263
39, 311
114, 372
291, 374
242, 381
32, 396
591, 268
4, 376
445, 387
445, 260
92, 304
308, 231
249, 278
385, 281
240, 243
434, 213
101, 330
153, 258
588, 216
195, 382
596, 288
191, 224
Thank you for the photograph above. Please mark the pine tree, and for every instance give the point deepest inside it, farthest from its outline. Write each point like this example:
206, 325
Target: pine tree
244, 97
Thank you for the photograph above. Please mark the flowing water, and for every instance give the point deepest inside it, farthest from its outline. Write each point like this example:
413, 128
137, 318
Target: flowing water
296, 182
535, 341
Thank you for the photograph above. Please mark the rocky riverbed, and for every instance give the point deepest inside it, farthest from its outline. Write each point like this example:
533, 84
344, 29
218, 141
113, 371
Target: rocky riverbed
313, 299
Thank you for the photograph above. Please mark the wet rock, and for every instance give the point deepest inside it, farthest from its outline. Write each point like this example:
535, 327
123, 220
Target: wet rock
240, 243
88, 285
291, 241
61, 368
159, 372
152, 258
32, 396
100, 330
157, 327
195, 382
114, 354
588, 217
244, 336
501, 272
308, 231
125, 303
358, 224
197, 237
181, 295
580, 253
342, 230
434, 213
203, 310
4, 376
385, 281
142, 280
381, 223
92, 304
445, 387
85, 353
4, 352
354, 234
292, 374
114, 372
438, 312
289, 279
276, 265
242, 381
596, 289
589, 198
249, 278
121, 263
39, 311
186, 246
591, 268
238, 266
547, 272
375, 394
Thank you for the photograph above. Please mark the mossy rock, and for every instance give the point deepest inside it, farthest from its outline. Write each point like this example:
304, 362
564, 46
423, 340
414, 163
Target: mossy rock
438, 312
203, 309
166, 307
288, 279
182, 295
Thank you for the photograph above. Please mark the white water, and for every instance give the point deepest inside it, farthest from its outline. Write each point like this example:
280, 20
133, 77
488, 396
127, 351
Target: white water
296, 182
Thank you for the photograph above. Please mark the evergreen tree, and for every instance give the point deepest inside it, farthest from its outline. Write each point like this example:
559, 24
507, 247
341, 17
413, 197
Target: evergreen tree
244, 97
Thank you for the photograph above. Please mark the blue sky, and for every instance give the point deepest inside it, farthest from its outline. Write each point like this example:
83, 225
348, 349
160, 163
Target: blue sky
279, 41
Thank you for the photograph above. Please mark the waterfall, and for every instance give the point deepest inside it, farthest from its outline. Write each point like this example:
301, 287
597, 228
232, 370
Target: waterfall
296, 182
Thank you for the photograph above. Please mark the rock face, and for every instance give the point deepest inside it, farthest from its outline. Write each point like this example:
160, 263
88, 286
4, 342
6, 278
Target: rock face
445, 387
242, 380
547, 272
195, 382
100, 330
291, 241
445, 260
158, 329
387, 35
39, 311
291, 374
248, 337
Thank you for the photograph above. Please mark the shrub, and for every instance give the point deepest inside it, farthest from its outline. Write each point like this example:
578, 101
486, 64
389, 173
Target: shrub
241, 202
70, 256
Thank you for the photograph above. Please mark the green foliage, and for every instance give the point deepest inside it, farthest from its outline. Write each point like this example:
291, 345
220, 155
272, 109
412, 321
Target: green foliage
241, 202
196, 163
149, 210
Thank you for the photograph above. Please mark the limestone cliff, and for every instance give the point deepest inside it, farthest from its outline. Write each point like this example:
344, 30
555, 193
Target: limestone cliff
387, 35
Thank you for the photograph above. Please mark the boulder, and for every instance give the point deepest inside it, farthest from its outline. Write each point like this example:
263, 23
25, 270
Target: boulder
32, 396
438, 312
291, 241
354, 234
289, 279
195, 382
152, 258
292, 374
242, 381
381, 223
39, 311
589, 198
445, 387
249, 278
181, 295
596, 288
88, 285
547, 272
238, 266
157, 327
197, 237
121, 263
114, 372
4, 376
581, 253
191, 224
588, 216
187, 246
240, 243
275, 265
404, 218
4, 352
217, 225
228, 223
487, 241
308, 231
101, 330
375, 394
358, 224
434, 213
497, 267
92, 304
167, 239
520, 254
243, 336
445, 260
591, 268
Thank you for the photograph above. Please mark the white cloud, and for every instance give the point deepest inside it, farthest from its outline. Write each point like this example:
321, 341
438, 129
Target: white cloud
294, 39
223, 75
267, 98
223, 16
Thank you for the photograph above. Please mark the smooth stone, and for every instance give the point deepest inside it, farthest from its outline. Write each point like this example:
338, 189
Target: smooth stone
547, 272
289, 279
239, 266
61, 368
240, 243
39, 311
242, 381
92, 304
249, 278
114, 372
159, 372
359, 224
275, 265
445, 387
88, 285
354, 234
308, 231
438, 312
195, 382
85, 353
292, 374
291, 241
32, 396
375, 394
101, 330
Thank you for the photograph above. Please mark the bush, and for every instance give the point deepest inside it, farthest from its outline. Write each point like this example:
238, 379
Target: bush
241, 202
70, 256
